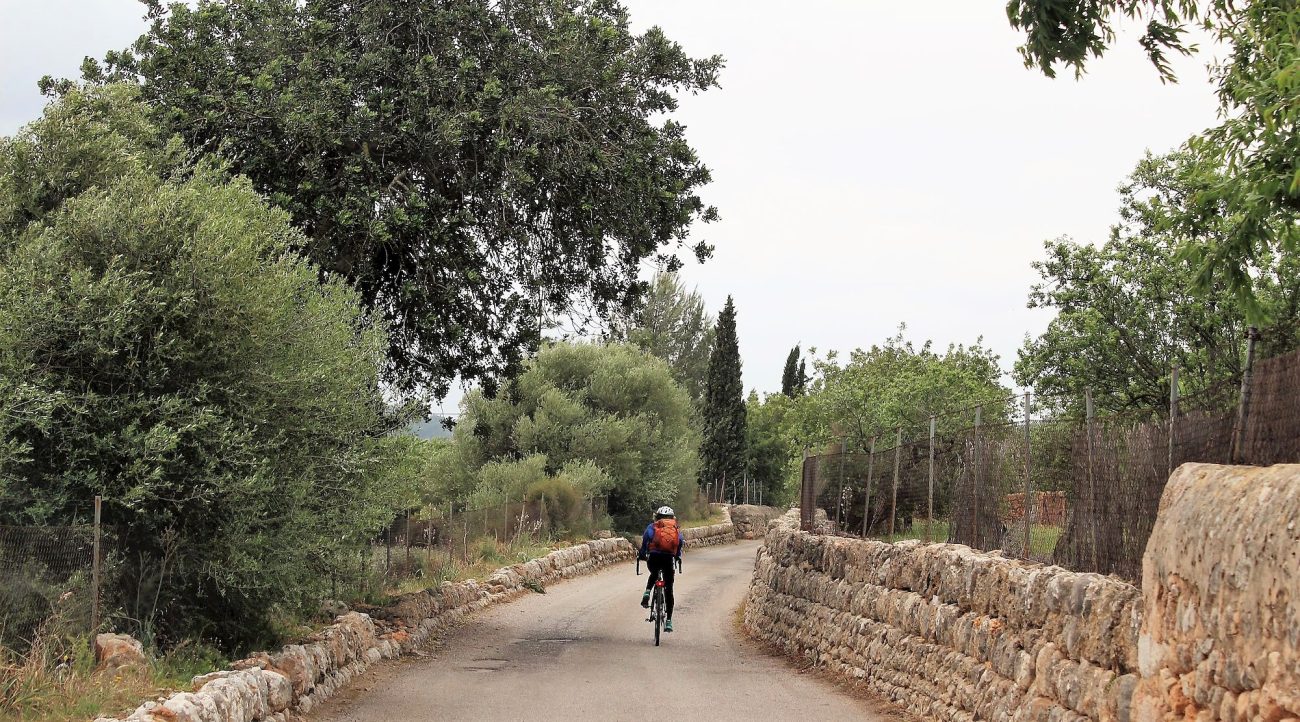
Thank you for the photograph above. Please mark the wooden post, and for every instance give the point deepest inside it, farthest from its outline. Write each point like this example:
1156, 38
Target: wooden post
94, 570
1027, 502
866, 504
839, 500
1243, 406
428, 538
408, 540
929, 513
977, 539
1093, 517
1173, 416
451, 538
893, 502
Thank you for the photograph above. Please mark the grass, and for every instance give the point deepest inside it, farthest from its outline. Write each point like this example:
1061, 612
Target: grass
56, 680
716, 518
486, 556
1042, 539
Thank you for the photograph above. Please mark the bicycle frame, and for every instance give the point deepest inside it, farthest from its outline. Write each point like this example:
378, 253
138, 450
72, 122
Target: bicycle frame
657, 604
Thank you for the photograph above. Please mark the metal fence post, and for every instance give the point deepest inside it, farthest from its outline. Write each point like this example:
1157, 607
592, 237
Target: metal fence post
929, 512
1027, 505
893, 502
1243, 405
1173, 415
408, 541
1093, 517
94, 570
866, 504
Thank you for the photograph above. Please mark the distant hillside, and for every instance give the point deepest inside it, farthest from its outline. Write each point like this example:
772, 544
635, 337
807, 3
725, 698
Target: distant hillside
431, 429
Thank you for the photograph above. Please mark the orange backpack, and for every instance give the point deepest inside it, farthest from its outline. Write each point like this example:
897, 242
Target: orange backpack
665, 540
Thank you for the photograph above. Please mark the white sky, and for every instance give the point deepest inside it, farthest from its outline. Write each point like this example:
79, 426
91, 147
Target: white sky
874, 162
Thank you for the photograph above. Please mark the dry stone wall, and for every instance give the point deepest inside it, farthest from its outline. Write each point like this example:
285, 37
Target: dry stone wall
280, 686
953, 634
946, 632
1220, 636
751, 520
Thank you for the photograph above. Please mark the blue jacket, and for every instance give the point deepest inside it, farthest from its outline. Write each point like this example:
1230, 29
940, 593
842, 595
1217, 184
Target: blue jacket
649, 535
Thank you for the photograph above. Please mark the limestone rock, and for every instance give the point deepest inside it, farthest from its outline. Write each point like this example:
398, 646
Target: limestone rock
118, 650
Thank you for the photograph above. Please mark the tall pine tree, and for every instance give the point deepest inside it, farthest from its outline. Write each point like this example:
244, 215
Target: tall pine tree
790, 376
722, 453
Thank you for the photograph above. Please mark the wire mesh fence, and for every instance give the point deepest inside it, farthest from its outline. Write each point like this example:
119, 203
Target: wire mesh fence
430, 543
45, 571
1048, 479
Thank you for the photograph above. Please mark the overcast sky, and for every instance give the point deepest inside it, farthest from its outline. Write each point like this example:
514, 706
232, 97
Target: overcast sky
875, 163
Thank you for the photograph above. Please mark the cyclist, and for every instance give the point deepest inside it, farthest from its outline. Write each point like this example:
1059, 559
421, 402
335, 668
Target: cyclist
661, 546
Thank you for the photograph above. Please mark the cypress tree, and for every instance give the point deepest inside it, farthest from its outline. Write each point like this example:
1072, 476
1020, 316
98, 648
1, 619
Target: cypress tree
790, 385
722, 452
803, 377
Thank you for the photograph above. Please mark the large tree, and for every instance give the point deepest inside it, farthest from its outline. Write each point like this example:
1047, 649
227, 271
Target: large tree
792, 376
1126, 312
723, 450
770, 448
161, 345
467, 166
896, 384
672, 324
1248, 161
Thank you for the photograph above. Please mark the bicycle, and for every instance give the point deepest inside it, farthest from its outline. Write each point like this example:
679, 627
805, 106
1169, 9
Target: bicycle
657, 612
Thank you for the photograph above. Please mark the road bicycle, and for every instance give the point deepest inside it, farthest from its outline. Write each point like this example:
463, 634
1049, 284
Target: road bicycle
657, 612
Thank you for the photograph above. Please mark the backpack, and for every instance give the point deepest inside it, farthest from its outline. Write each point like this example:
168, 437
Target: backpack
666, 540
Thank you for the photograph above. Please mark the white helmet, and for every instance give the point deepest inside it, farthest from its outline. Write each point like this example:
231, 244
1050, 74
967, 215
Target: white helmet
665, 511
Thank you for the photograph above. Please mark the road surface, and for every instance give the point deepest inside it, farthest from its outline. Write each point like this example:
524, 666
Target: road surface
584, 651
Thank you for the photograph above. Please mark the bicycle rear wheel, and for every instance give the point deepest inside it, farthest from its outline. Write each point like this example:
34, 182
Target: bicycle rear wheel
658, 613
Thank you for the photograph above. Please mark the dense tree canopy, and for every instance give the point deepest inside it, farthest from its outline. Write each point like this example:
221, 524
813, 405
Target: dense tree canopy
162, 345
671, 323
1245, 168
1126, 310
895, 384
771, 447
467, 166
722, 452
607, 419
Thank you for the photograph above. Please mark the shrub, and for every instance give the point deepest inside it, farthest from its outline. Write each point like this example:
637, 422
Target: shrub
172, 354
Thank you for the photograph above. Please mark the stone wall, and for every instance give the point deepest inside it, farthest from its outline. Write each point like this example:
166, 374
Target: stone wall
278, 686
1220, 634
751, 521
948, 633
953, 634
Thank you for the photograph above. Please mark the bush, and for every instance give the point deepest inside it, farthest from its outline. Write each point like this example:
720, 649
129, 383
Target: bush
608, 418
172, 354
562, 507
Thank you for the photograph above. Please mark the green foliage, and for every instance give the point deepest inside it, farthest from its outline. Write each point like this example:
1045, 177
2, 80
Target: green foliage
603, 419
461, 164
561, 504
672, 324
722, 452
897, 384
164, 347
793, 376
1126, 310
1243, 175
771, 446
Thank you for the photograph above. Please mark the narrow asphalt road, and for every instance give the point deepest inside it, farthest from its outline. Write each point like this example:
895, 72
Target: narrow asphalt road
584, 651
